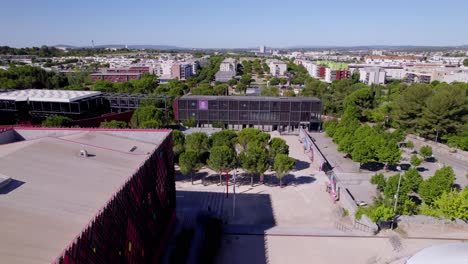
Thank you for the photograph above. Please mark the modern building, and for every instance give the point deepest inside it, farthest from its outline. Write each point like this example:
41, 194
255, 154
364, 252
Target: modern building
133, 69
182, 71
38, 103
24, 105
372, 75
115, 76
416, 77
85, 196
262, 49
335, 74
228, 65
237, 112
277, 67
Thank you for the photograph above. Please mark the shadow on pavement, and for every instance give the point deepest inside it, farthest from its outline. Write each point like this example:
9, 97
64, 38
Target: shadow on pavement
244, 226
14, 184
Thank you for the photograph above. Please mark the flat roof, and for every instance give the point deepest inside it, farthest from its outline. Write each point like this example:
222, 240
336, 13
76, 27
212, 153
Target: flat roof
249, 98
55, 192
38, 95
115, 73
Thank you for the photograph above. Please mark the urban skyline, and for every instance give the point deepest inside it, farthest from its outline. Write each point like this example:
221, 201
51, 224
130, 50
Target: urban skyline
209, 24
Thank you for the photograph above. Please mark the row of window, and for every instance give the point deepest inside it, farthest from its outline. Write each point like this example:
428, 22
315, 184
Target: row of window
245, 116
253, 105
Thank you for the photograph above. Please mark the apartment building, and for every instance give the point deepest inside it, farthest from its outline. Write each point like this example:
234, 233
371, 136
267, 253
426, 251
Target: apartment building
277, 67
372, 75
228, 65
181, 71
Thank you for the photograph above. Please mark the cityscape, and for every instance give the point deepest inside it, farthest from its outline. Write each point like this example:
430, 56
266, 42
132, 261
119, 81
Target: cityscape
234, 132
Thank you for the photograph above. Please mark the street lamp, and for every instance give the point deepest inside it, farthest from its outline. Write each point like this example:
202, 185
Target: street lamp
396, 195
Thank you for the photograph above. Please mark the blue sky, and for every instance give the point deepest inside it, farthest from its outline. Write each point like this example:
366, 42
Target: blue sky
234, 23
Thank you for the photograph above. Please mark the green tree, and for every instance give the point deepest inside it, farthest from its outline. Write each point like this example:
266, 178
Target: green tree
254, 160
199, 143
57, 121
220, 89
191, 122
444, 111
450, 205
410, 105
415, 161
465, 62
178, 139
412, 179
148, 117
379, 180
222, 158
434, 186
392, 186
225, 137
289, 93
241, 87
425, 151
246, 79
114, 124
282, 165
410, 144
277, 146
188, 163
252, 135
389, 152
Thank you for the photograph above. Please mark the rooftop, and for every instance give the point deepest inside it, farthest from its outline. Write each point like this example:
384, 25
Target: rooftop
54, 192
61, 96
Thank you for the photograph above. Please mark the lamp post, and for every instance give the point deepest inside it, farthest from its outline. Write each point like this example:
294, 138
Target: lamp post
396, 195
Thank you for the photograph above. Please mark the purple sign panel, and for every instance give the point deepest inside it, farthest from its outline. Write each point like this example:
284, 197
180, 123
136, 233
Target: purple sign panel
202, 105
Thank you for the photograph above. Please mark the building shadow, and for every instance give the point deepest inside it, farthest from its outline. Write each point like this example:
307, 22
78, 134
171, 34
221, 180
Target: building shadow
245, 221
11, 186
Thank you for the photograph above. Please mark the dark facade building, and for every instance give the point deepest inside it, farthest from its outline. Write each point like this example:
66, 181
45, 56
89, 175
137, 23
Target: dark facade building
26, 105
237, 112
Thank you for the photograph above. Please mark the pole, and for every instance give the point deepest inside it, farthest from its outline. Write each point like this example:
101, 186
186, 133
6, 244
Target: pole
227, 185
234, 197
396, 199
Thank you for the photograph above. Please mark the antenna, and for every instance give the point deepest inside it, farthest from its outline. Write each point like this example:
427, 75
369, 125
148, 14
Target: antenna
92, 43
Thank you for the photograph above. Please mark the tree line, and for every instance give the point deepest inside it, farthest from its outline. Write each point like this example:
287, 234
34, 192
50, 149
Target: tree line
257, 152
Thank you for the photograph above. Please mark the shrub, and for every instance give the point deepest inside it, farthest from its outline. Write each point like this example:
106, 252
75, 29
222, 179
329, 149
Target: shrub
379, 180
433, 187
426, 151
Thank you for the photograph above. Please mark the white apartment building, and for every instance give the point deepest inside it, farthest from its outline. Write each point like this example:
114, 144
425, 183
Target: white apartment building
277, 67
372, 75
228, 65
311, 68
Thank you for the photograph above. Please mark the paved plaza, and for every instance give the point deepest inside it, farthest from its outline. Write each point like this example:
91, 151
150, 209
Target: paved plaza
298, 223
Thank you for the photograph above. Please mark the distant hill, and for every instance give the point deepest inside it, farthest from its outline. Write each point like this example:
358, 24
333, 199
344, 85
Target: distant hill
121, 46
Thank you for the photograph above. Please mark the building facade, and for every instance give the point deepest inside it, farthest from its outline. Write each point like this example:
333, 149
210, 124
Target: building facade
277, 68
373, 75
265, 113
228, 65
115, 76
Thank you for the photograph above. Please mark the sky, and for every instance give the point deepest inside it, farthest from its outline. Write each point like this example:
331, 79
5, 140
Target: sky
234, 23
